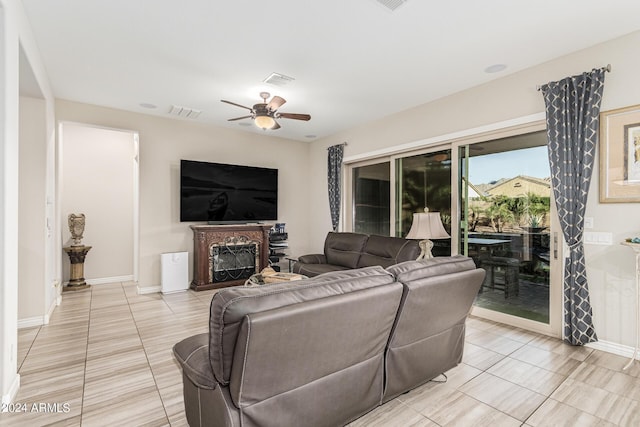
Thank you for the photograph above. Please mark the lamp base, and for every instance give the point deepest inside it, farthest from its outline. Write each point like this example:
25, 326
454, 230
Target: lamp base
425, 249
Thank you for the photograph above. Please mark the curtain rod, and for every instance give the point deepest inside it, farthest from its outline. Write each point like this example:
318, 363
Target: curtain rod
344, 143
607, 68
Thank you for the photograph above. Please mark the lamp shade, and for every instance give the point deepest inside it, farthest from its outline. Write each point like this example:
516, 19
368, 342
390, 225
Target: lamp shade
427, 225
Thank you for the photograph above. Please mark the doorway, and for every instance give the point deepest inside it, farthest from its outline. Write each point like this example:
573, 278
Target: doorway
99, 178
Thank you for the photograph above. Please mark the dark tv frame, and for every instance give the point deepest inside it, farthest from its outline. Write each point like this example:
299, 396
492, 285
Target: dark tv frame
225, 179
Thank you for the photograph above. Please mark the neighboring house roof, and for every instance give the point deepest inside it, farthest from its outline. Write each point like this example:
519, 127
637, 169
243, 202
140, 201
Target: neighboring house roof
520, 185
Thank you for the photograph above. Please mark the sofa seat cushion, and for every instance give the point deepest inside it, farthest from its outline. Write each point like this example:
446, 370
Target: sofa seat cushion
230, 306
344, 248
316, 269
387, 251
193, 355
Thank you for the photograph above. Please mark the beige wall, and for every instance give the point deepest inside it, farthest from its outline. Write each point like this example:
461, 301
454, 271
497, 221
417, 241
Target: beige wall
163, 142
31, 205
610, 268
97, 179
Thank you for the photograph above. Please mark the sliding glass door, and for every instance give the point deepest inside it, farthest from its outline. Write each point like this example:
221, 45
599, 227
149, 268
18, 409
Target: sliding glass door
371, 188
424, 181
494, 199
507, 224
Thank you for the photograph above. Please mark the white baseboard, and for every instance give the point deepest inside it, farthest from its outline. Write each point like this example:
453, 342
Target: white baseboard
52, 307
12, 392
149, 289
105, 280
611, 347
174, 292
30, 322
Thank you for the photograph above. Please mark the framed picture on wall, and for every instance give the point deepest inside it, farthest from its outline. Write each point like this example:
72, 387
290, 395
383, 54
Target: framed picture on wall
620, 155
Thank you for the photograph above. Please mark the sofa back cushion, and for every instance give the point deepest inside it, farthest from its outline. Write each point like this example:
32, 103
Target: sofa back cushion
230, 306
320, 360
428, 337
344, 248
437, 266
387, 251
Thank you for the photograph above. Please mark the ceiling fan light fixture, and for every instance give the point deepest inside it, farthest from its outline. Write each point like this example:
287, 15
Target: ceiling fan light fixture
264, 114
265, 122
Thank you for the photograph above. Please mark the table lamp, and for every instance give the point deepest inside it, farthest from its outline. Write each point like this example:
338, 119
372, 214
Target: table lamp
427, 225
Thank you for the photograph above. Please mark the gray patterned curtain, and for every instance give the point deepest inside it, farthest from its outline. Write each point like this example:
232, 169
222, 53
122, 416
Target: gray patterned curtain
334, 168
572, 110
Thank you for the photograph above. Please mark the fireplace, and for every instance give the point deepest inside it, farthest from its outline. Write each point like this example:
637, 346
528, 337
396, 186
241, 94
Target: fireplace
233, 259
226, 255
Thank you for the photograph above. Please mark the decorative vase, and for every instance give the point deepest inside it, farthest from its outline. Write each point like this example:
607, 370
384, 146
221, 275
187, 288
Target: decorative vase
76, 227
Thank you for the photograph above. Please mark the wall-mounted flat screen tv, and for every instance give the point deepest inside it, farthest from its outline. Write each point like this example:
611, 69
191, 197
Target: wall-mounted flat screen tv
222, 194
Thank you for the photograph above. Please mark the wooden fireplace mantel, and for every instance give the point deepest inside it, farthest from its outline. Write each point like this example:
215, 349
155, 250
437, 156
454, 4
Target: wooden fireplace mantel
206, 235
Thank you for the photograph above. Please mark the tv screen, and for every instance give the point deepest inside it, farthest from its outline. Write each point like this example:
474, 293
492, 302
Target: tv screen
221, 193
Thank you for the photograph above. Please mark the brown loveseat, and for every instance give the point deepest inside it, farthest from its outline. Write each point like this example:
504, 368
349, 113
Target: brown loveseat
325, 350
345, 251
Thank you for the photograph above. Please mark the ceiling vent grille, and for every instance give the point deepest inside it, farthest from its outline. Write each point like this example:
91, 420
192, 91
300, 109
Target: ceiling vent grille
188, 113
278, 79
392, 5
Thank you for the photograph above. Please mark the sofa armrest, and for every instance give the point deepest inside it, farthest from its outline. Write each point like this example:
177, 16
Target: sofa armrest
313, 259
193, 355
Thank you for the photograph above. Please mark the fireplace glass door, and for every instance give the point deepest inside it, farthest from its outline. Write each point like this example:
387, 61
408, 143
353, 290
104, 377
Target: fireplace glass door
233, 261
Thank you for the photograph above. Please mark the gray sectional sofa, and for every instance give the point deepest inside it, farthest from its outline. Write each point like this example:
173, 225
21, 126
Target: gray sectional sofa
326, 350
345, 251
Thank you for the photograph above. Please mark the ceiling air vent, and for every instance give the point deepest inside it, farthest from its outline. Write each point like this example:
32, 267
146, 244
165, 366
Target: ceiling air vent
278, 79
392, 5
188, 113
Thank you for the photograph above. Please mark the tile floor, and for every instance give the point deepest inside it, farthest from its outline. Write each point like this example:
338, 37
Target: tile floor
105, 359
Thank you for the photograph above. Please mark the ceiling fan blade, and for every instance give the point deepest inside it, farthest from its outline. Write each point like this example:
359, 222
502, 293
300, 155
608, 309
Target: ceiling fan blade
275, 103
239, 118
237, 105
275, 126
305, 117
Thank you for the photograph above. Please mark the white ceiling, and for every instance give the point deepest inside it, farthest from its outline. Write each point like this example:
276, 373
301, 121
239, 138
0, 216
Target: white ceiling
353, 61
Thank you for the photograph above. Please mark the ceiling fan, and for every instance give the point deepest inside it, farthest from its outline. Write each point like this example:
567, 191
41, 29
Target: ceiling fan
265, 114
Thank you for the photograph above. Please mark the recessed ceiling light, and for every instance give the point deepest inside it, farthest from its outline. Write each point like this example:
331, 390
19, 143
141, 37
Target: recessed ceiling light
495, 68
147, 105
310, 136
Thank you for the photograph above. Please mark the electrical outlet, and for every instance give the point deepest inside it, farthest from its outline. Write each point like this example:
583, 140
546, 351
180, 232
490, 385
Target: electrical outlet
597, 238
